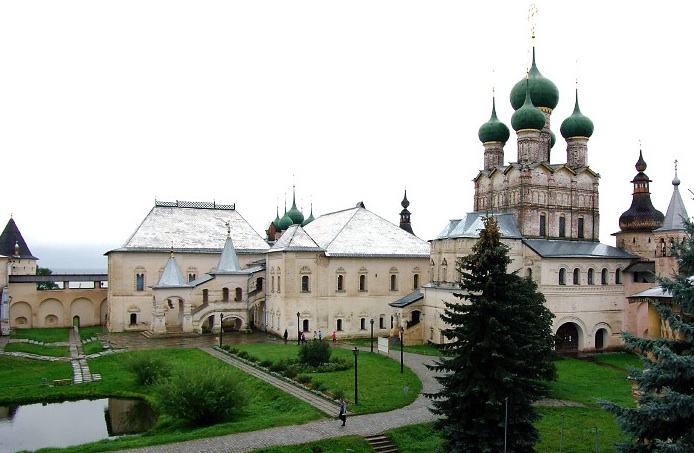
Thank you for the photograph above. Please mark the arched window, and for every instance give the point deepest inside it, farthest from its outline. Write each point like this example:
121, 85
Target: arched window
362, 282
543, 225
304, 284
393, 282
140, 282
562, 276
339, 325
529, 272
279, 284
618, 277
577, 276
562, 226
205, 295
272, 284
603, 277
340, 282
225, 294
239, 295
133, 319
415, 281
591, 273
362, 323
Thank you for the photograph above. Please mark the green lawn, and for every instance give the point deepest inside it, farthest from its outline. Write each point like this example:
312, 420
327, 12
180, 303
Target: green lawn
375, 393
50, 351
48, 335
92, 347
582, 381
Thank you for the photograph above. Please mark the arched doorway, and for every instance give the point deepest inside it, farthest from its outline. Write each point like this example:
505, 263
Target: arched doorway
567, 338
600, 337
76, 322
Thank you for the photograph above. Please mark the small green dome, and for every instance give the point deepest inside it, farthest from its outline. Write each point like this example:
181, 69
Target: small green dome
276, 222
552, 139
577, 125
285, 222
308, 220
493, 130
527, 116
543, 92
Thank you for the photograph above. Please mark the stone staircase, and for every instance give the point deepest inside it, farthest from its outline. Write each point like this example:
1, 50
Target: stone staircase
381, 444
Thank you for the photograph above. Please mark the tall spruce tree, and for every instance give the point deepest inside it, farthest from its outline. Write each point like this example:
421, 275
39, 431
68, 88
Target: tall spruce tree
663, 419
499, 355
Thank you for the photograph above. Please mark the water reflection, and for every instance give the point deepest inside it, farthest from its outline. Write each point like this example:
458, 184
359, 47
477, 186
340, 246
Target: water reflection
35, 426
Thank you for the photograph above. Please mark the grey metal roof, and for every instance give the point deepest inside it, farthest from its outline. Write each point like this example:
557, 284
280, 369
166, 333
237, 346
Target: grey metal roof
641, 266
575, 249
296, 239
411, 298
360, 232
172, 276
193, 227
470, 226
676, 212
656, 292
228, 262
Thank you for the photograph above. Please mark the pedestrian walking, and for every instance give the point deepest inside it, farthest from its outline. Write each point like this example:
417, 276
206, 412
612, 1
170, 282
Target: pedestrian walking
334, 337
286, 335
315, 335
303, 338
320, 335
343, 411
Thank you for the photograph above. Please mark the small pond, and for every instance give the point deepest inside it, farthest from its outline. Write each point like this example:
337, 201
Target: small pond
35, 426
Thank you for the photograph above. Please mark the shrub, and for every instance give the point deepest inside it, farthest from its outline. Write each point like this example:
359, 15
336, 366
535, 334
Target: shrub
303, 378
317, 385
280, 366
267, 364
148, 368
315, 354
200, 397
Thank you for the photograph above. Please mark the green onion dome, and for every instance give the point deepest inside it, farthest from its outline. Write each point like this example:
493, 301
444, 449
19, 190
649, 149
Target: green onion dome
543, 92
285, 222
276, 222
527, 116
296, 215
552, 139
577, 125
493, 130
309, 219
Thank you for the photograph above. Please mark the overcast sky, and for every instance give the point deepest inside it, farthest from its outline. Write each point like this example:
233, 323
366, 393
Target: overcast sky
107, 106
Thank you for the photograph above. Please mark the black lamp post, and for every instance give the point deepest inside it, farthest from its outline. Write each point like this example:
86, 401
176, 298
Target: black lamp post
221, 328
356, 395
298, 329
372, 335
402, 336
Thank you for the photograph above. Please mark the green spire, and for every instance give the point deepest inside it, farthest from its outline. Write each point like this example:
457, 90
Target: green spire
493, 130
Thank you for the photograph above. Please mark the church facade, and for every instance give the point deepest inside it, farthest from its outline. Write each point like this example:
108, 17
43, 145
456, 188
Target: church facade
549, 217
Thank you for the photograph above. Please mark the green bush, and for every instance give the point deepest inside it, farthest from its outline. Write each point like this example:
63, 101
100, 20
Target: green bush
148, 368
200, 397
267, 364
315, 354
304, 378
338, 394
317, 385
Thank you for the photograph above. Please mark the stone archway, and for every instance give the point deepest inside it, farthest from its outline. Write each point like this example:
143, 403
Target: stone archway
567, 337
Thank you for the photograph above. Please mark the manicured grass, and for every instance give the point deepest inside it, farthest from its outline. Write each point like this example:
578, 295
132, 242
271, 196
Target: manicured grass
21, 379
267, 406
50, 351
92, 347
376, 394
90, 332
48, 335
579, 380
424, 349
622, 360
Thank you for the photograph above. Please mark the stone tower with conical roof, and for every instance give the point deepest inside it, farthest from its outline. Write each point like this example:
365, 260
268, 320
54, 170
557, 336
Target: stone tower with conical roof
638, 222
671, 232
20, 261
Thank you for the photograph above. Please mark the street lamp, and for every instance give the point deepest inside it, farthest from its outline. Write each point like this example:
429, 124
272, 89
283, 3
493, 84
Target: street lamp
372, 335
356, 395
298, 329
221, 328
402, 336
